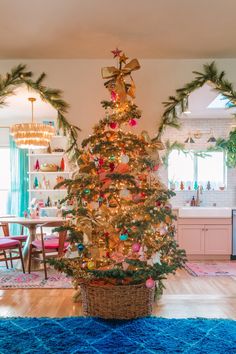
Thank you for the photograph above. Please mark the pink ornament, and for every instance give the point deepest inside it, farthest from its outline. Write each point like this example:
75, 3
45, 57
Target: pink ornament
150, 283
155, 168
162, 231
132, 122
113, 96
113, 125
136, 247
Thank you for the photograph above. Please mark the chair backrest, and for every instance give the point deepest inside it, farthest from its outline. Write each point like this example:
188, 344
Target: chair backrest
62, 238
5, 229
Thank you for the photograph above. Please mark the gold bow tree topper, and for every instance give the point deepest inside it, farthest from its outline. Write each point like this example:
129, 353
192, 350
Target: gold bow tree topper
118, 84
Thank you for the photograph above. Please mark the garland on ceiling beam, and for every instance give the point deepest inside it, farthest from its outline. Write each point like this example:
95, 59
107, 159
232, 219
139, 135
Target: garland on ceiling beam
18, 76
176, 105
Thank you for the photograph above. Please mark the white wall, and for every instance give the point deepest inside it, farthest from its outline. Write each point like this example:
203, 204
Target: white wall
83, 87
220, 128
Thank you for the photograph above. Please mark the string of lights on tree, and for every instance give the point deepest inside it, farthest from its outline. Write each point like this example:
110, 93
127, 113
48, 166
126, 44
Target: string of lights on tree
121, 230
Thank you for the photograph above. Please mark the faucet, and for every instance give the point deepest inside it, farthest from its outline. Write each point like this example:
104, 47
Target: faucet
199, 191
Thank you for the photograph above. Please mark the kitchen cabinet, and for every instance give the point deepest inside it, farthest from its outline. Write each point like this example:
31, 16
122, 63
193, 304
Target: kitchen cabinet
217, 239
205, 237
191, 238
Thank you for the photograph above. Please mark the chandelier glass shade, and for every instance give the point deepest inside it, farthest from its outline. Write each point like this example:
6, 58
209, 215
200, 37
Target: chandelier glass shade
32, 135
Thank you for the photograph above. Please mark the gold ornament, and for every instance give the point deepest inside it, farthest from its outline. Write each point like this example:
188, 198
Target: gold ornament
91, 265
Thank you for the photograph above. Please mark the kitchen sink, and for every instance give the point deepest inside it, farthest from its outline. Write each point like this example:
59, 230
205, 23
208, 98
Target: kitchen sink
205, 212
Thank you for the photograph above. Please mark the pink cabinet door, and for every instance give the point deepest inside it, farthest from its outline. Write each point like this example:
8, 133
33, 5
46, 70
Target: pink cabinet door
191, 238
218, 239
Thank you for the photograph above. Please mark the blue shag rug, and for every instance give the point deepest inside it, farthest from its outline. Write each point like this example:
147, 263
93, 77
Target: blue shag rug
73, 335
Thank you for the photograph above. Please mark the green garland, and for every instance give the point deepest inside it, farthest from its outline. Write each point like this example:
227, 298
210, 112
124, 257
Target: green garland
169, 147
229, 146
176, 105
18, 76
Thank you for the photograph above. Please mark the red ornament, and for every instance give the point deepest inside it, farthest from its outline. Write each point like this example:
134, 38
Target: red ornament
116, 52
100, 162
143, 194
158, 203
112, 166
155, 168
106, 234
113, 125
108, 254
132, 122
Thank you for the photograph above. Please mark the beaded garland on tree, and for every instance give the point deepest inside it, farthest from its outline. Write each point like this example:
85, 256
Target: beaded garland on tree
122, 225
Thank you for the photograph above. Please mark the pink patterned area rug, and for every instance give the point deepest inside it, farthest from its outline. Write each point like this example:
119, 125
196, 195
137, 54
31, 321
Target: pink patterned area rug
199, 269
12, 278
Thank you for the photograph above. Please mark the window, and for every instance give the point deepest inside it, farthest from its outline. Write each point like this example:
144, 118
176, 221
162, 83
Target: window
190, 169
4, 178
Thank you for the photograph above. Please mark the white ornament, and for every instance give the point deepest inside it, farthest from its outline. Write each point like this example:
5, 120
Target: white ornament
125, 266
156, 258
150, 262
124, 193
124, 158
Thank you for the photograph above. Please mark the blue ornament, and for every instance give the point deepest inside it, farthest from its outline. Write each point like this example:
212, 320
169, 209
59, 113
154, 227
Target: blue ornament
80, 247
123, 237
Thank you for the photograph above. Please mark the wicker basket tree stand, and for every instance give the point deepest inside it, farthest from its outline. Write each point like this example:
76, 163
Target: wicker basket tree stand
117, 302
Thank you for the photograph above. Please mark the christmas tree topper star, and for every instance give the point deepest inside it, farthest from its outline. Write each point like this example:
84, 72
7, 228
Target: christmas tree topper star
116, 52
123, 58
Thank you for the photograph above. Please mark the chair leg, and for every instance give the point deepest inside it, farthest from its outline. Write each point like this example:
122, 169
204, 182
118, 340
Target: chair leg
21, 258
44, 264
5, 256
11, 259
30, 257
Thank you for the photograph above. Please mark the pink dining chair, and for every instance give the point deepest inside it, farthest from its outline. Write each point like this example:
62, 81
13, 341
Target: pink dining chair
5, 228
52, 246
11, 250
6, 233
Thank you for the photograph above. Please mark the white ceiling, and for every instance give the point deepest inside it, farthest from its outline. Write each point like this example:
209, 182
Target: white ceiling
18, 109
143, 28
199, 101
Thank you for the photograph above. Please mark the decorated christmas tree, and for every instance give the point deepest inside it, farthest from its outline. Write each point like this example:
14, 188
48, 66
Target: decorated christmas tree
121, 230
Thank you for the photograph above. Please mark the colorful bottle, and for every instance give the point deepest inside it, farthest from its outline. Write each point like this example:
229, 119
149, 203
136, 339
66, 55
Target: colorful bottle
62, 165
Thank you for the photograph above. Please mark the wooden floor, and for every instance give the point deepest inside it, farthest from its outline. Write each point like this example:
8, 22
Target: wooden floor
185, 296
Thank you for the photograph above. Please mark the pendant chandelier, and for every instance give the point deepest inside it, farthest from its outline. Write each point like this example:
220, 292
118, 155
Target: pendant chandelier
32, 135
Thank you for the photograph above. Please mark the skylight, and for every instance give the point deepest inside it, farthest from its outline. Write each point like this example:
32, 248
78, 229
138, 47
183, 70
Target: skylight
220, 102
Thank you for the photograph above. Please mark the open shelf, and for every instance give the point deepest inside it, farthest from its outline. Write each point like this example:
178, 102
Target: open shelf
47, 154
49, 208
46, 190
52, 172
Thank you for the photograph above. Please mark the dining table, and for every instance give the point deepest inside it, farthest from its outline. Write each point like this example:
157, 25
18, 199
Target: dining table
32, 224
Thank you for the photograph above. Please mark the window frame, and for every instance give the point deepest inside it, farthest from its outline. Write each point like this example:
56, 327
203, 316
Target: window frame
6, 189
195, 165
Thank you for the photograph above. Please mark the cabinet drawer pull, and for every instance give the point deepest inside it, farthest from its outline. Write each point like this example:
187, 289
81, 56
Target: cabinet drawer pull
203, 229
206, 229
